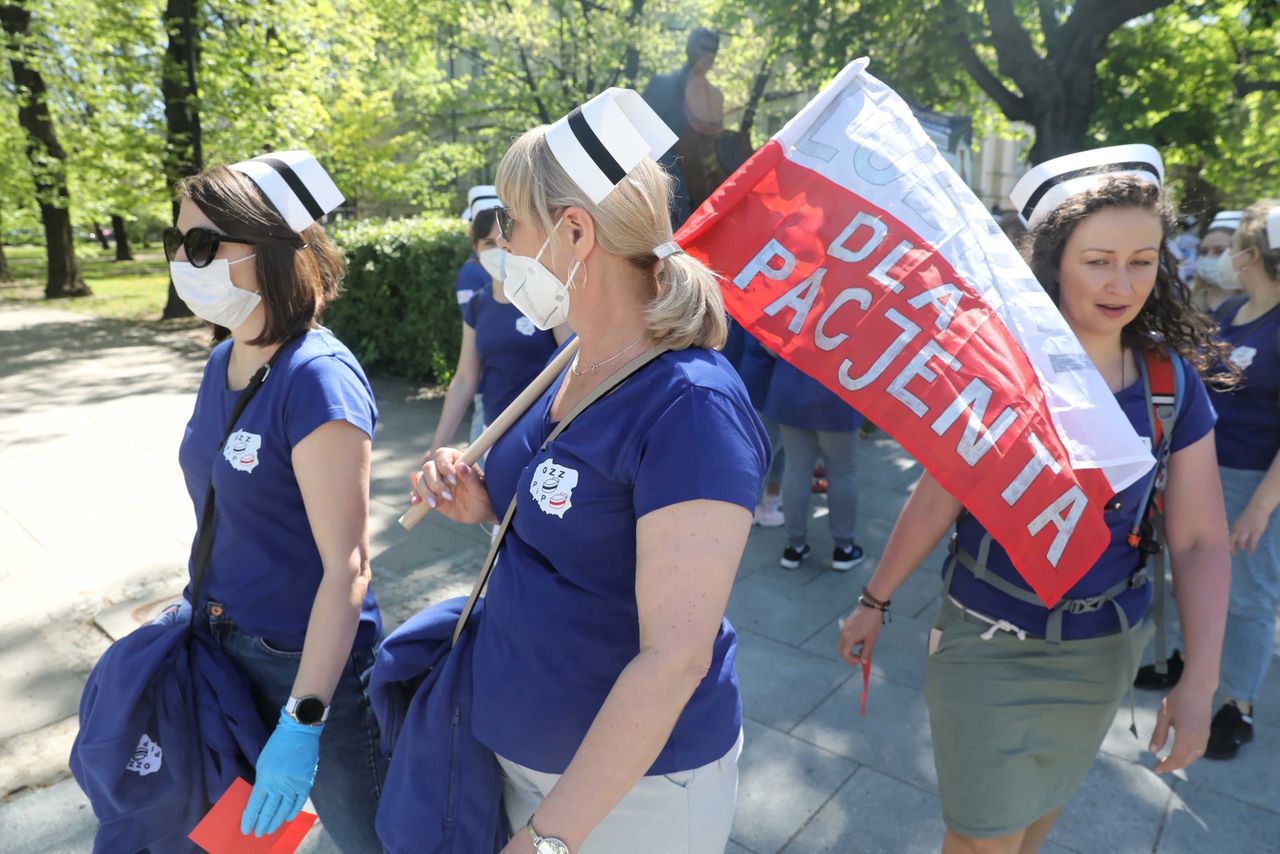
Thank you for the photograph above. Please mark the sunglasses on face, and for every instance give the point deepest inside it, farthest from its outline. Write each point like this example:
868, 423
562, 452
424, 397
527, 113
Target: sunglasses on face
200, 244
506, 222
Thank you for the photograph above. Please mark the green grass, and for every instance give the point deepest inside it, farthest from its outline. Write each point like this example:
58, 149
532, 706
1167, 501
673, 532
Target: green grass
130, 290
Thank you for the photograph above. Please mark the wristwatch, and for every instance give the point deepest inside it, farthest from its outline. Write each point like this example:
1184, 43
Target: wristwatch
309, 711
545, 844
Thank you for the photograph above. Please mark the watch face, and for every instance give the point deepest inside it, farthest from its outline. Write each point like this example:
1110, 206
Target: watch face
552, 846
310, 711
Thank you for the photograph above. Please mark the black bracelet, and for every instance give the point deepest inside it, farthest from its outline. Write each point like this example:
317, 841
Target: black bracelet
868, 601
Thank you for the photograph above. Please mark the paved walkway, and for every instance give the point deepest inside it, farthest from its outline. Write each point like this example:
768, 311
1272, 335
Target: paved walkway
95, 526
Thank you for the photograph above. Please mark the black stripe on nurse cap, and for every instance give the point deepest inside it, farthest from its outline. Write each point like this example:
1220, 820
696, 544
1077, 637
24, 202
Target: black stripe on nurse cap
481, 198
296, 185
599, 143
1051, 183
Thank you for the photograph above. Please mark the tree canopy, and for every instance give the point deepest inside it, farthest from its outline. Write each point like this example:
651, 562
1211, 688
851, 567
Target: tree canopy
409, 102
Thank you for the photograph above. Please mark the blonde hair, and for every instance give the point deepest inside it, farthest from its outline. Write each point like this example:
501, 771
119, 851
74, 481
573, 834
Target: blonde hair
1253, 235
686, 308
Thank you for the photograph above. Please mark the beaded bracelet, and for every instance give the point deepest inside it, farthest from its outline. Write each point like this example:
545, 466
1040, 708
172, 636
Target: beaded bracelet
869, 601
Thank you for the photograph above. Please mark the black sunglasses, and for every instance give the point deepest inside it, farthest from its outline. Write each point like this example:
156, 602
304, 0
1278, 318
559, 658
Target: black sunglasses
201, 244
506, 222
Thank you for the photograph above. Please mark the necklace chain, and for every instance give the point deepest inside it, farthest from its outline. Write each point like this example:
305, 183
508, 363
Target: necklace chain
573, 368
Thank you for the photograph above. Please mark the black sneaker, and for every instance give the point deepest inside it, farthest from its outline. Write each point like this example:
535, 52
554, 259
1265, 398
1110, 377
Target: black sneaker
1230, 729
843, 560
1149, 679
791, 557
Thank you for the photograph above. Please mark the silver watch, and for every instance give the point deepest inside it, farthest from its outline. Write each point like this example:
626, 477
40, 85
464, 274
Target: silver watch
545, 844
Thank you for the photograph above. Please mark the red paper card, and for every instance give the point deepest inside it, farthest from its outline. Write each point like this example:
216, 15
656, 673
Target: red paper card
219, 831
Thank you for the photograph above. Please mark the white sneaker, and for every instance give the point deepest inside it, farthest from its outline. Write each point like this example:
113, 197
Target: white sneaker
769, 513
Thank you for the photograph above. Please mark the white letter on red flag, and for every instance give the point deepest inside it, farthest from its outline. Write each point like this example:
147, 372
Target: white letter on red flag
851, 249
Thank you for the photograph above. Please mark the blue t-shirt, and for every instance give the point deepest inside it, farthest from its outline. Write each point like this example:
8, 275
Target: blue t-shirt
1119, 561
512, 350
471, 278
755, 366
797, 400
561, 620
265, 567
1248, 434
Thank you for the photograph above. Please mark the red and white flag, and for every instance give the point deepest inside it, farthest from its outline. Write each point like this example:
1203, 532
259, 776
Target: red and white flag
850, 248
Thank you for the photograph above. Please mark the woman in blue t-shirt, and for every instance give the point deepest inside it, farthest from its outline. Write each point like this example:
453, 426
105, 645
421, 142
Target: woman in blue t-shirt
501, 348
1020, 696
1248, 437
286, 590
603, 664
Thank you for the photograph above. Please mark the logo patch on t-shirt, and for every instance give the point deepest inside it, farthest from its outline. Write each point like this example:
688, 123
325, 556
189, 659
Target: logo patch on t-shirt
147, 757
525, 326
1243, 356
241, 450
552, 487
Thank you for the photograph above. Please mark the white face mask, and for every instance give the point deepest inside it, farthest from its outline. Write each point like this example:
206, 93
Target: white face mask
1227, 276
209, 293
536, 291
494, 262
1208, 271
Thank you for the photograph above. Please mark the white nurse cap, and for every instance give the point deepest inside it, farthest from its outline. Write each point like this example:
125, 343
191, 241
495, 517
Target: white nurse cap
296, 185
1226, 220
599, 143
1048, 185
481, 198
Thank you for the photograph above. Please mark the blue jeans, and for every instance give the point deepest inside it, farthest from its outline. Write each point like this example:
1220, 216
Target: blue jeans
352, 767
1255, 589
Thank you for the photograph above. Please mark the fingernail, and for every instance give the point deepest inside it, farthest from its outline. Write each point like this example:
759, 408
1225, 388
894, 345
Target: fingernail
414, 498
452, 480
464, 469
448, 496
431, 500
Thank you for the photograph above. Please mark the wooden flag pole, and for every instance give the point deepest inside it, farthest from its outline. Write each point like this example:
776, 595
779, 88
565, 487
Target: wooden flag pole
494, 431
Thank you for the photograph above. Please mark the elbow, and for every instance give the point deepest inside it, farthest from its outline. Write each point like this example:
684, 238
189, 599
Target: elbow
682, 668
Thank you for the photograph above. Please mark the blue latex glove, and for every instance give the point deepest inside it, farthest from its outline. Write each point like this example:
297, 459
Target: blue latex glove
286, 770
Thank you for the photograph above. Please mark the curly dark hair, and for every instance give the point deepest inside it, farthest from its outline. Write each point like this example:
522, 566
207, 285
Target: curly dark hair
1167, 317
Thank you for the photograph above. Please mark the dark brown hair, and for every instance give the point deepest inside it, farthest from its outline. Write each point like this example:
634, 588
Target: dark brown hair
298, 274
482, 225
1253, 235
1167, 317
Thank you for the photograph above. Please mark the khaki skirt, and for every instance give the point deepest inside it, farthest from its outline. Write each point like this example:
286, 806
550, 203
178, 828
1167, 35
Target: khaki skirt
1017, 723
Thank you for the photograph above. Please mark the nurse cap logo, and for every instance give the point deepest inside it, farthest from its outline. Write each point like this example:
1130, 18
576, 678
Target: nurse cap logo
1039, 192
552, 487
296, 185
1226, 221
599, 143
481, 198
147, 757
242, 449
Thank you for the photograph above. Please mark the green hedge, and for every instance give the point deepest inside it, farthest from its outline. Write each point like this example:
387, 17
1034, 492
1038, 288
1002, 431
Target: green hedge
399, 311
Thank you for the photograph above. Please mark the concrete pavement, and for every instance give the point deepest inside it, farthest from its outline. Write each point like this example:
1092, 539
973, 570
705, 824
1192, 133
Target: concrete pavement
95, 526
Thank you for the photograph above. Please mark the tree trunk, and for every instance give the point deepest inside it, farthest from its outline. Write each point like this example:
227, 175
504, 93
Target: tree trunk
101, 237
5, 274
123, 251
48, 160
184, 153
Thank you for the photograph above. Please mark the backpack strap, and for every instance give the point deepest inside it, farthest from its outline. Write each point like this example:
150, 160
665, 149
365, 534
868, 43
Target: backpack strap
1162, 385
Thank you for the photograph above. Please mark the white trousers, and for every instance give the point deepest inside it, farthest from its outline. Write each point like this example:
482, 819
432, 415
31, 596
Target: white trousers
689, 812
